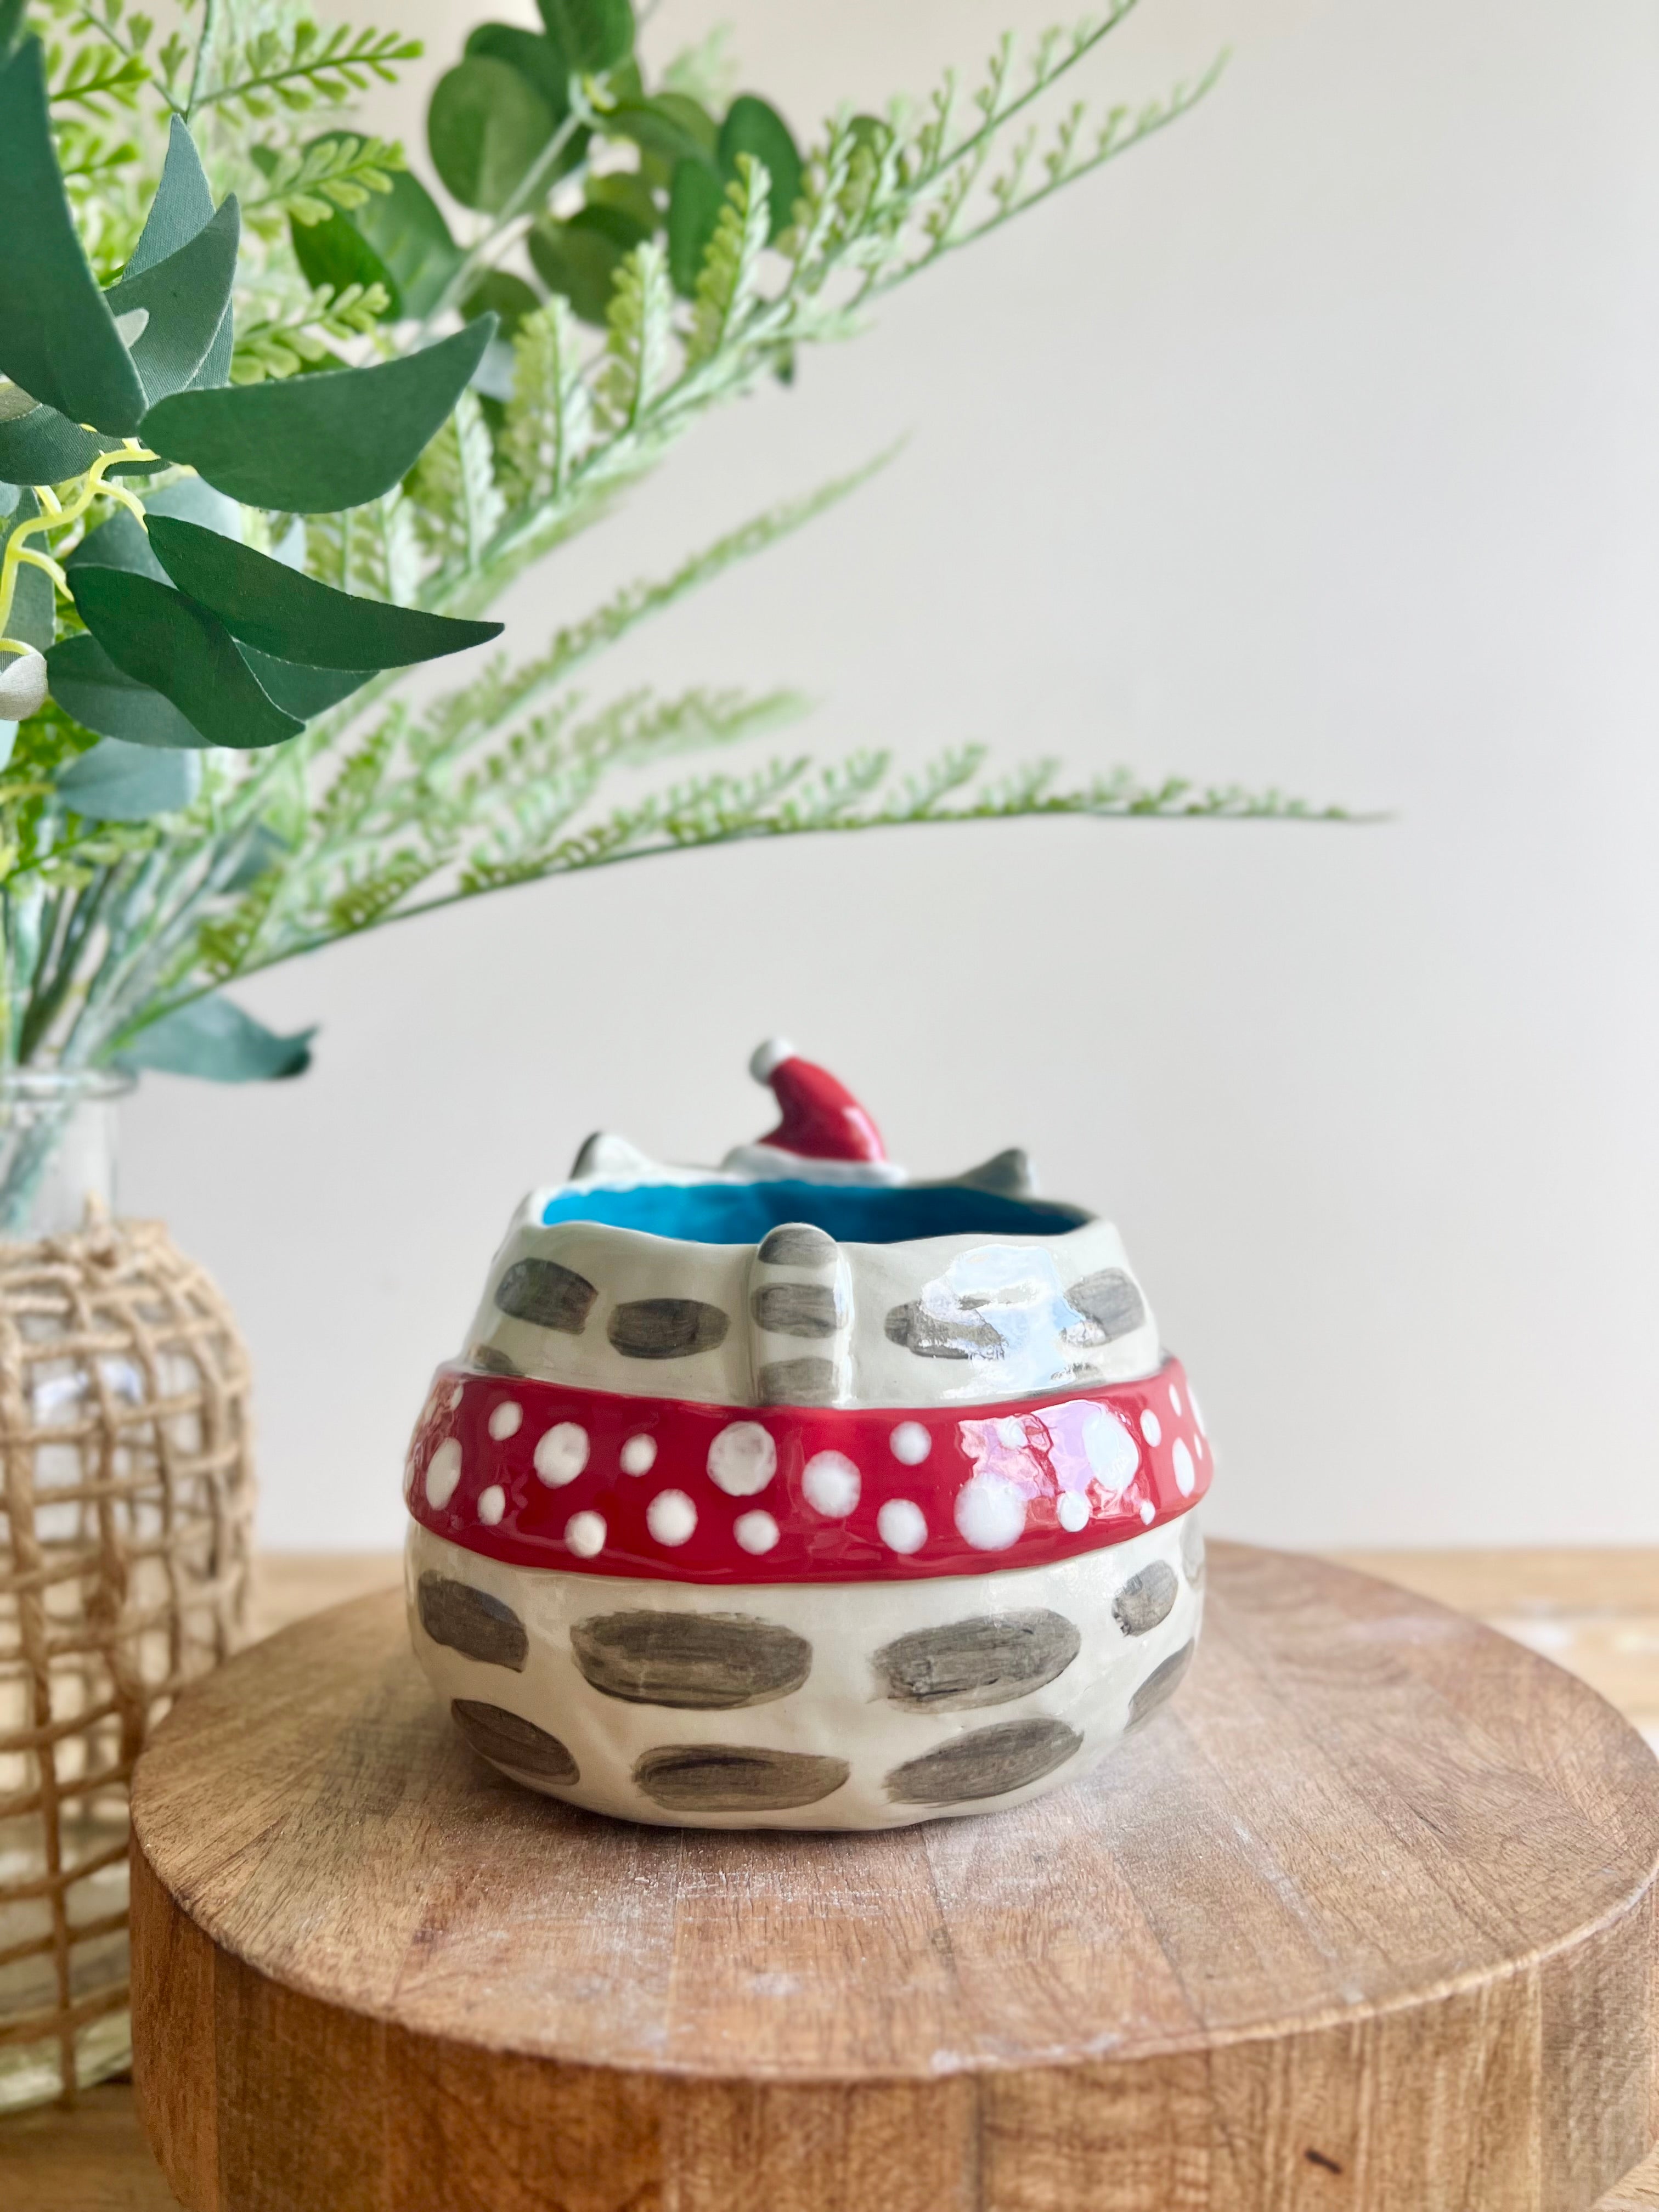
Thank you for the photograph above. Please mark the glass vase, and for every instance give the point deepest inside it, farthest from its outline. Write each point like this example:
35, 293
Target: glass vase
125, 1502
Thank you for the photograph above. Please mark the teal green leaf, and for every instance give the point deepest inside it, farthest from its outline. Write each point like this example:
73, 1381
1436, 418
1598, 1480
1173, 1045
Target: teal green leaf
336, 254
34, 617
579, 258
754, 127
592, 35
536, 58
313, 445
182, 651
671, 126
290, 615
57, 339
122, 542
183, 205
215, 1039
45, 447
192, 500
186, 297
501, 293
694, 212
485, 126
12, 13
264, 849
118, 782
86, 683
304, 691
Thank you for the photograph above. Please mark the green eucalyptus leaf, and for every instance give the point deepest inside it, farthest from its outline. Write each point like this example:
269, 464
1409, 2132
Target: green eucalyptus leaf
215, 1039
86, 683
336, 254
182, 650
183, 205
34, 617
627, 191
670, 124
753, 126
580, 258
122, 542
485, 126
186, 297
57, 339
313, 445
192, 500
536, 58
501, 293
12, 13
398, 238
39, 446
693, 211
304, 691
294, 617
119, 782
592, 35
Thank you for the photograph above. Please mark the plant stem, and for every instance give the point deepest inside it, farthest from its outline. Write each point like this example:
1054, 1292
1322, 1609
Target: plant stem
200, 69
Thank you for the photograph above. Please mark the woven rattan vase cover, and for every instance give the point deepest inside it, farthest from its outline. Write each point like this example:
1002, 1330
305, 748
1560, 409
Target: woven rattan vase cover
125, 1497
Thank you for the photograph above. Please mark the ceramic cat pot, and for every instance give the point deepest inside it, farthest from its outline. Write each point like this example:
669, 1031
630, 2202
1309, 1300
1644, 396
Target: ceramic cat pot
797, 1494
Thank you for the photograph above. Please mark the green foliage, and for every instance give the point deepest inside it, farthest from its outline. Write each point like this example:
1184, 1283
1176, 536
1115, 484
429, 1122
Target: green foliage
624, 256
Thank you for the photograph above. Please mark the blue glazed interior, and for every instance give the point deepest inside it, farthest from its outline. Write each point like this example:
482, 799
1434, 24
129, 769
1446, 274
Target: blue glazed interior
741, 1213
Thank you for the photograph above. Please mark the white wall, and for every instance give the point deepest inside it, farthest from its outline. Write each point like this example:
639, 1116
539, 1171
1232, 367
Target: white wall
1313, 445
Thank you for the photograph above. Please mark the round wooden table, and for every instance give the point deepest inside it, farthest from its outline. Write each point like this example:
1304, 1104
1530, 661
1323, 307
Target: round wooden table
1363, 1920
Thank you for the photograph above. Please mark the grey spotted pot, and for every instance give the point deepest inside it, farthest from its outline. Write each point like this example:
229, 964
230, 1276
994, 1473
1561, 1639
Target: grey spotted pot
799, 1492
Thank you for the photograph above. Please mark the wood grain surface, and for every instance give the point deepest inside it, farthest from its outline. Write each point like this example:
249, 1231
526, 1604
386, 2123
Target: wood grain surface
1363, 1921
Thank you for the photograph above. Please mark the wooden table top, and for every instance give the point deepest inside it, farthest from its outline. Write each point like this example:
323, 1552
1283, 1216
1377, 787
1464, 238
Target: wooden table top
1596, 1613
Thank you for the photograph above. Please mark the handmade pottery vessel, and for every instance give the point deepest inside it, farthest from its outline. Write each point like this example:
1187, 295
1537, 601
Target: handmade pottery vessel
797, 1494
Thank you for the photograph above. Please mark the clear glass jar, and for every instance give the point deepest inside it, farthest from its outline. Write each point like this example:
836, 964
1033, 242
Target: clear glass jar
58, 1139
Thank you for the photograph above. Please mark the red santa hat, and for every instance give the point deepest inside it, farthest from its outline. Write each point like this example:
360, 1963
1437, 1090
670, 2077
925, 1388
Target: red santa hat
821, 1119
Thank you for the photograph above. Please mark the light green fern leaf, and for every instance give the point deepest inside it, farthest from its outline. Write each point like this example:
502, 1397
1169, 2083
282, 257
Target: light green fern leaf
727, 281
458, 502
640, 345
549, 418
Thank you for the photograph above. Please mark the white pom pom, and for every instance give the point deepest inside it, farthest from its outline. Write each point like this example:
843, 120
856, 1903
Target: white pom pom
22, 685
770, 1056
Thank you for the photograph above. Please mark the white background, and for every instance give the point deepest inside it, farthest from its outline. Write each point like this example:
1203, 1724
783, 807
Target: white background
1313, 447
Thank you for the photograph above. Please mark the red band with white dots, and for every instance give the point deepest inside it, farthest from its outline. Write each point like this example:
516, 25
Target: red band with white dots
539, 1475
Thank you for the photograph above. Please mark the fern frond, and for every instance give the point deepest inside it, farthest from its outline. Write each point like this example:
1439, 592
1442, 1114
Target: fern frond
639, 336
308, 68
337, 172
457, 501
549, 417
281, 345
726, 281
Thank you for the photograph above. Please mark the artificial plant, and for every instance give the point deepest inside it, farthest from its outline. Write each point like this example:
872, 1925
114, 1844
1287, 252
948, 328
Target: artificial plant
250, 481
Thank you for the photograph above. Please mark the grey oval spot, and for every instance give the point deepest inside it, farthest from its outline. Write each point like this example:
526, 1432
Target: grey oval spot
987, 1661
985, 1763
1146, 1599
542, 1291
1159, 1685
796, 1382
797, 1244
959, 1335
1111, 1300
507, 1740
796, 1308
470, 1621
665, 1328
698, 1662
1192, 1549
489, 1361
727, 1778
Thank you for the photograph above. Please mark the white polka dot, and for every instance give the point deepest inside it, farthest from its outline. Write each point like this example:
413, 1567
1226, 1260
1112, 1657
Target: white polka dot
492, 1504
1174, 1401
506, 1420
742, 1458
1148, 1510
755, 1532
671, 1516
1074, 1511
639, 1456
904, 1525
443, 1472
990, 1513
562, 1453
910, 1443
1150, 1427
1192, 1400
1184, 1474
832, 1485
455, 1397
584, 1535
